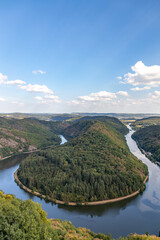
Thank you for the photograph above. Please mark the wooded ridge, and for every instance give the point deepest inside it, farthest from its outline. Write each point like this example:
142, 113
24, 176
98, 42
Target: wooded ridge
94, 165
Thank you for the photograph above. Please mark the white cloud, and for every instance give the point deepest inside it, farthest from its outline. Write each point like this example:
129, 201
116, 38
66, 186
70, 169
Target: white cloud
20, 82
122, 82
148, 104
2, 99
122, 93
52, 97
2, 78
140, 89
102, 96
119, 78
143, 75
155, 95
18, 103
38, 98
38, 71
48, 99
36, 88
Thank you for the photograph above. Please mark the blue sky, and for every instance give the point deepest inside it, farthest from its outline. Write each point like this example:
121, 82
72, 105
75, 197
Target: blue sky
80, 56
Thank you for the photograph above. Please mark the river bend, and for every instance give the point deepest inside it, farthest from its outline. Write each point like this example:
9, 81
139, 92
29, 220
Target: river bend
138, 215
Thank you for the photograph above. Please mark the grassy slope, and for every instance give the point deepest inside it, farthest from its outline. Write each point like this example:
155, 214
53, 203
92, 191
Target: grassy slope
95, 165
26, 220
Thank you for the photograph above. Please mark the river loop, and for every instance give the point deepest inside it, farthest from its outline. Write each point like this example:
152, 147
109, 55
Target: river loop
136, 215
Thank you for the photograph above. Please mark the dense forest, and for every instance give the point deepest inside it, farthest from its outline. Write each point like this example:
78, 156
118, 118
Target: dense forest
26, 220
95, 164
74, 130
148, 139
27, 135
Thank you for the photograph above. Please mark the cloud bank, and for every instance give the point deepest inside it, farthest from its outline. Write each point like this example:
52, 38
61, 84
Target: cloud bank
14, 82
143, 75
102, 96
48, 99
36, 88
4, 80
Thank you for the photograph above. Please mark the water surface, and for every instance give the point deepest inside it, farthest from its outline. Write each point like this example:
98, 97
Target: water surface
139, 214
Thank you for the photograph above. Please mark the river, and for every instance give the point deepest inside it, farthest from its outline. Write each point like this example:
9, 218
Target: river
136, 215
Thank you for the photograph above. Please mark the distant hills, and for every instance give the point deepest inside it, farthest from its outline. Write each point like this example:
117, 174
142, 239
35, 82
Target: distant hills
74, 116
144, 122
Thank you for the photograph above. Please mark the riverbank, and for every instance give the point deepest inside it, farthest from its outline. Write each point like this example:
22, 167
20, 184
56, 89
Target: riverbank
21, 153
146, 154
33, 151
74, 203
127, 213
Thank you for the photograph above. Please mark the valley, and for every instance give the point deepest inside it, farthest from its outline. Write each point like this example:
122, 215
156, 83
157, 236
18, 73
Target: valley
95, 217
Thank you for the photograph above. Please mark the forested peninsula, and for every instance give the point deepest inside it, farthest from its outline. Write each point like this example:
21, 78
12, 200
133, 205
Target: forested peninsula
94, 165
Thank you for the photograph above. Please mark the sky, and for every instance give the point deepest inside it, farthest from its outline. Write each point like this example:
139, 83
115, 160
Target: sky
63, 56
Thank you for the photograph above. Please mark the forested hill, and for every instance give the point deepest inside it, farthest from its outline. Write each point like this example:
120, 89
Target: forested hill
145, 122
82, 125
27, 135
148, 139
23, 220
95, 165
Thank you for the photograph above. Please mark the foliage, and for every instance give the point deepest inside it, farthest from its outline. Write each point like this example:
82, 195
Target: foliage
27, 135
145, 122
23, 220
84, 123
26, 220
95, 164
140, 237
67, 231
148, 139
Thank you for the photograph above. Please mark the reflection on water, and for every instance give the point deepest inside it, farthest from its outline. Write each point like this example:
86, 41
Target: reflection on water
12, 161
139, 214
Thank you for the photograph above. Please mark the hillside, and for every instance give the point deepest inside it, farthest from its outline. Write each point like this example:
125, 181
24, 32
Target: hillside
148, 139
145, 122
81, 125
27, 135
26, 220
95, 164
